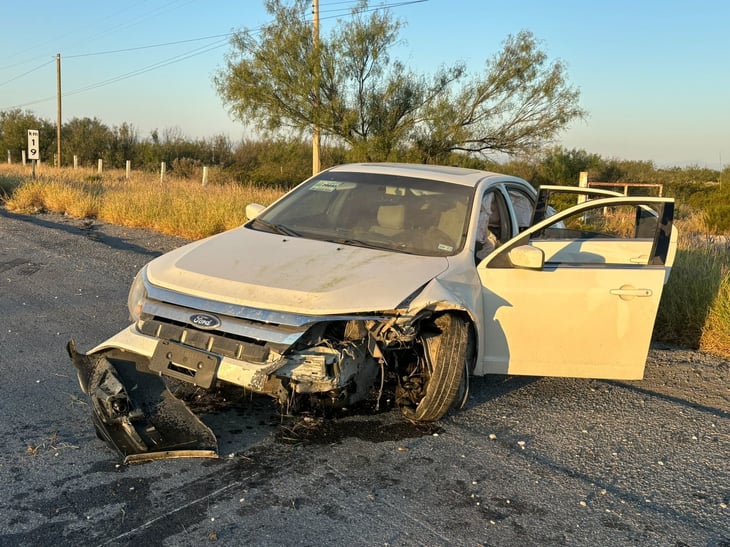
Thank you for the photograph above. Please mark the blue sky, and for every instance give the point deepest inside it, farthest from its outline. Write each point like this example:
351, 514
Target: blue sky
654, 75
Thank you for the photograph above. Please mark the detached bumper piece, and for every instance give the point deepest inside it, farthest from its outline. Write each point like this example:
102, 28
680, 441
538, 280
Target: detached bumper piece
136, 414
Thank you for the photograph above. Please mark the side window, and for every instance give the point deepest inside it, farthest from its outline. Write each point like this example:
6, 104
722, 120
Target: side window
621, 234
523, 206
621, 222
494, 226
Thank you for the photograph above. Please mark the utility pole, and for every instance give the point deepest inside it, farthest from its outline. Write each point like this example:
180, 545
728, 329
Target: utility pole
316, 164
58, 125
720, 169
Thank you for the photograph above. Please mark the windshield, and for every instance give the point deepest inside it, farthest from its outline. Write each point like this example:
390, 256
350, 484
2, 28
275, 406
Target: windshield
404, 214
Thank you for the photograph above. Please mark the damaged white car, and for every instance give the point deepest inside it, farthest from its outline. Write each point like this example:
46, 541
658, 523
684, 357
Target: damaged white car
414, 276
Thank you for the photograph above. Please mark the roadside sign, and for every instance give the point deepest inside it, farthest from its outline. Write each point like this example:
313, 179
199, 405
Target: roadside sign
33, 145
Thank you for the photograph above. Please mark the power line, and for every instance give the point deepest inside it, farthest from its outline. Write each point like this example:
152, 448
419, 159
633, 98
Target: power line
160, 64
183, 56
226, 35
142, 17
26, 73
214, 36
371, 8
137, 48
86, 38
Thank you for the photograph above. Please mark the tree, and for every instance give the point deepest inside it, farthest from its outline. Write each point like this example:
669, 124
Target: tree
280, 162
14, 125
562, 166
517, 106
354, 90
124, 144
221, 149
88, 139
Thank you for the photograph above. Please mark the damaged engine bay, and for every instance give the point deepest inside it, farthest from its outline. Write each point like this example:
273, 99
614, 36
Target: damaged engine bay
303, 364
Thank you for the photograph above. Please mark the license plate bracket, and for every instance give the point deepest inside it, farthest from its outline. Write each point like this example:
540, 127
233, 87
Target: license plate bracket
184, 363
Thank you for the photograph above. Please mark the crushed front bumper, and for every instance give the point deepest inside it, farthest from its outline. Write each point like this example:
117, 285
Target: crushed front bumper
149, 349
136, 414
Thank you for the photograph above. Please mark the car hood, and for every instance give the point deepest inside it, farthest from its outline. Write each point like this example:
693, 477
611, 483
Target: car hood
268, 271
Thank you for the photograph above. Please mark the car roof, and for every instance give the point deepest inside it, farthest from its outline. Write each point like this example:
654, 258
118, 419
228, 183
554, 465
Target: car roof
444, 173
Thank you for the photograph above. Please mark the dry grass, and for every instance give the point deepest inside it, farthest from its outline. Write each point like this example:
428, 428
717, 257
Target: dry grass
716, 330
52, 443
176, 206
74, 199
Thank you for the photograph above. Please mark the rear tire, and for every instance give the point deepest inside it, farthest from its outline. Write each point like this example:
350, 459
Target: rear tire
445, 350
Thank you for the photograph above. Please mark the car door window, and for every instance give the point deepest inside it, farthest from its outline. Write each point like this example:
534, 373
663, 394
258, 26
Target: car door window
617, 234
523, 206
553, 199
630, 231
494, 226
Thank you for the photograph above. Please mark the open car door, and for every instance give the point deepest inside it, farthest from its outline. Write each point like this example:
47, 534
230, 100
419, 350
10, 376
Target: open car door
577, 293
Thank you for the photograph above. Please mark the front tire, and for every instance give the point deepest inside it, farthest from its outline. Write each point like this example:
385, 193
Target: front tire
440, 370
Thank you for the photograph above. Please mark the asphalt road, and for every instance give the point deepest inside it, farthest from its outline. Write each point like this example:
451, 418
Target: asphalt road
529, 461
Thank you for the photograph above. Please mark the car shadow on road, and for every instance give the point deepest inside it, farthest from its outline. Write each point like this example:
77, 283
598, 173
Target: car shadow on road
87, 228
715, 411
483, 389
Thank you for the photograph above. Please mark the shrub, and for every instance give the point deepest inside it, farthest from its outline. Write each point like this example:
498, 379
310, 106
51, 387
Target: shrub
186, 168
8, 183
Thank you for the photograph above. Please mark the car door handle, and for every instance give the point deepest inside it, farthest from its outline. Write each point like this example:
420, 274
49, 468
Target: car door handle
627, 292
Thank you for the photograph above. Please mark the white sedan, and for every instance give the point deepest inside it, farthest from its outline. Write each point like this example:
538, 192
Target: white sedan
409, 276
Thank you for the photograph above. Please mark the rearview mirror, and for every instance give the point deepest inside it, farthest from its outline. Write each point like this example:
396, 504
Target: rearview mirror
527, 257
253, 210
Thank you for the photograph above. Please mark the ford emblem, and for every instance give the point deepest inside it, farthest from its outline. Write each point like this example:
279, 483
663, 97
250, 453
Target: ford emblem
205, 321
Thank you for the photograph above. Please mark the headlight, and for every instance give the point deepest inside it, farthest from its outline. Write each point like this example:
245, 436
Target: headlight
137, 295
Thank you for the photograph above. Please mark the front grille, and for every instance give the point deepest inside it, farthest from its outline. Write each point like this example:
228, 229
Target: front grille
221, 344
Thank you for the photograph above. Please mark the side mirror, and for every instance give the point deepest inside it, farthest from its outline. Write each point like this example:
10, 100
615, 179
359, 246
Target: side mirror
527, 257
253, 210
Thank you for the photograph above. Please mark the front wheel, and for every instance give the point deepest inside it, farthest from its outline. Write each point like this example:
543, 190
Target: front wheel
432, 385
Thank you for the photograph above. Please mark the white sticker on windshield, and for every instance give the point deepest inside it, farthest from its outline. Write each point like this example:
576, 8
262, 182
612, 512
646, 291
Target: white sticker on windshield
326, 185
447, 248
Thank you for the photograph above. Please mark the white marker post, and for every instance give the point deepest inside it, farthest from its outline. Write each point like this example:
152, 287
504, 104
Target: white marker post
33, 146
